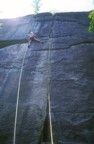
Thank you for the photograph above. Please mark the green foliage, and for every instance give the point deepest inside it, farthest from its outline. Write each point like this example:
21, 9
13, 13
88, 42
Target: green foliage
1, 24
91, 26
36, 5
53, 11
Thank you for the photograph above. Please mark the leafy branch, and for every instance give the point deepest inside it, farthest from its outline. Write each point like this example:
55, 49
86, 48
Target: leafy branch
36, 5
91, 16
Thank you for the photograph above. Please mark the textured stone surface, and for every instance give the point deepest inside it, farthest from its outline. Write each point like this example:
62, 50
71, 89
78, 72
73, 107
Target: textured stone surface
32, 98
18, 28
71, 70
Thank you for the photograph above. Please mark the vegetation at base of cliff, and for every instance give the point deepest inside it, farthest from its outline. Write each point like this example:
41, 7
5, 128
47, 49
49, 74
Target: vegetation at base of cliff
91, 26
5, 43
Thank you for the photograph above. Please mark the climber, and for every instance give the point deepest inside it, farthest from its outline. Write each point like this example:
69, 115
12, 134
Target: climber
32, 37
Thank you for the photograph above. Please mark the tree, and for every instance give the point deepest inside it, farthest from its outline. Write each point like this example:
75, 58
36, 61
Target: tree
36, 6
91, 16
54, 11
1, 24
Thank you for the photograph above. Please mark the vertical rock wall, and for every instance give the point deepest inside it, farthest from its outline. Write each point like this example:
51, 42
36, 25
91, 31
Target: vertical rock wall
72, 80
71, 63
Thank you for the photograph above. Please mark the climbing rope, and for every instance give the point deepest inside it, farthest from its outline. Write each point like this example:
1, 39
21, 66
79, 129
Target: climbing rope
17, 103
49, 101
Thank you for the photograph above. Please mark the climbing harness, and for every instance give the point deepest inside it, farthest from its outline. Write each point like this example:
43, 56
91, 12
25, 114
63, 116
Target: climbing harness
49, 101
17, 103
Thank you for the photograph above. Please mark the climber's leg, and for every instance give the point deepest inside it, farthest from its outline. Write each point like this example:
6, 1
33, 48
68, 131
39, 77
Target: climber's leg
30, 41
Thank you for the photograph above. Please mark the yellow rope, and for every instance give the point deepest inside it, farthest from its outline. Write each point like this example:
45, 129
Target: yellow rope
17, 103
49, 103
50, 120
18, 92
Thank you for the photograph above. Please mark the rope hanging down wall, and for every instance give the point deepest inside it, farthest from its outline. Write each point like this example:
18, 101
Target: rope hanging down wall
49, 101
18, 92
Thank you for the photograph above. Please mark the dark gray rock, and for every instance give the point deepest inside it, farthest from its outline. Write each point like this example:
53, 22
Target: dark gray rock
32, 98
67, 58
18, 28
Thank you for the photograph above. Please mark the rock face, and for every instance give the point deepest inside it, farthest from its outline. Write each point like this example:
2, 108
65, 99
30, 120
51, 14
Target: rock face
66, 59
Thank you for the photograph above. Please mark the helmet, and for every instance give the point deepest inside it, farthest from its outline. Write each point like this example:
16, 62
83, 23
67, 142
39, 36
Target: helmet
31, 32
